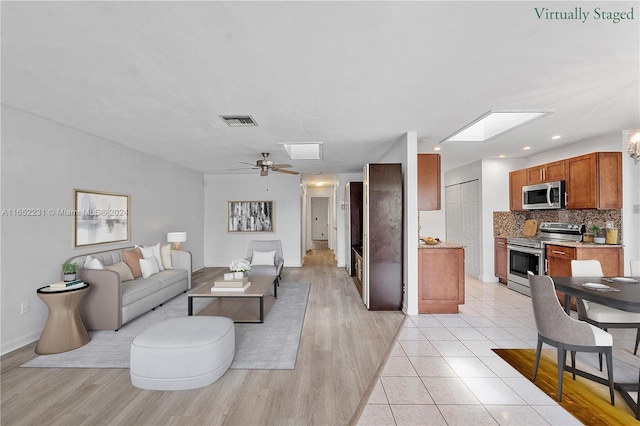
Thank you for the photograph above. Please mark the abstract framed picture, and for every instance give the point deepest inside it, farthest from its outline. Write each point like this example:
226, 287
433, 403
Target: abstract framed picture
250, 216
100, 218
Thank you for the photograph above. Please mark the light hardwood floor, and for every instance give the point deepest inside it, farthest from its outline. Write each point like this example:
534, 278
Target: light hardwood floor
341, 347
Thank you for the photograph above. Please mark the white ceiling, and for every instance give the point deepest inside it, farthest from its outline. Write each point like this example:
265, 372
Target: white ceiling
155, 76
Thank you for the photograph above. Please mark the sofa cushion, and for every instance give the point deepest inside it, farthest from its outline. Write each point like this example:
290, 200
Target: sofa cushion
122, 269
137, 289
169, 277
149, 267
263, 258
165, 254
152, 251
132, 258
92, 263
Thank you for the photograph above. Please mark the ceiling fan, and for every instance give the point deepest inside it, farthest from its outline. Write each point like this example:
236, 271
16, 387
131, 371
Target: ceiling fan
265, 165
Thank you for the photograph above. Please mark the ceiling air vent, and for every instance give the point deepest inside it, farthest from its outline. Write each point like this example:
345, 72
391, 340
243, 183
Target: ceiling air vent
239, 120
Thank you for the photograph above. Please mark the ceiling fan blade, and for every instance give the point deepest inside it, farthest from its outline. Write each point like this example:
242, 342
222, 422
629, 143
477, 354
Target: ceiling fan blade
264, 172
249, 164
291, 172
281, 166
246, 168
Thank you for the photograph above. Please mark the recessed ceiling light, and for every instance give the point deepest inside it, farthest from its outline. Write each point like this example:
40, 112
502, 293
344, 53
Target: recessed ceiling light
526, 148
493, 124
437, 148
303, 151
319, 183
556, 137
501, 156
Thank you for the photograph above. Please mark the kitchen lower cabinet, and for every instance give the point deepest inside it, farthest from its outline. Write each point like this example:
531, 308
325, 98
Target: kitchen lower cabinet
500, 257
559, 259
440, 279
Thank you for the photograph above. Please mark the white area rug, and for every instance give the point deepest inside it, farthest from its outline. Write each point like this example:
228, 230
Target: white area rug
272, 345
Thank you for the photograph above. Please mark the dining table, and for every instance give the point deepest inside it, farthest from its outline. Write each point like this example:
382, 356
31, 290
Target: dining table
616, 292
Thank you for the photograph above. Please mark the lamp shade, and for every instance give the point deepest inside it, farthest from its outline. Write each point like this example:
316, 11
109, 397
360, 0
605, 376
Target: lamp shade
176, 237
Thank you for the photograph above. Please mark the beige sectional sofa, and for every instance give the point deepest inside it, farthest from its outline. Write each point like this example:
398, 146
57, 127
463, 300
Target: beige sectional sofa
112, 302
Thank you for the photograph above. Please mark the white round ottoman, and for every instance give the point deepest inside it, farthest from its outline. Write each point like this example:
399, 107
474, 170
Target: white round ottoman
182, 353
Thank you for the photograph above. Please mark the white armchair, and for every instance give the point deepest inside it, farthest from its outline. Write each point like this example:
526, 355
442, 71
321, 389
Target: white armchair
265, 257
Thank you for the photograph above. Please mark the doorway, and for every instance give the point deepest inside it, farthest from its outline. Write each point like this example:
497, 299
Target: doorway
462, 203
320, 218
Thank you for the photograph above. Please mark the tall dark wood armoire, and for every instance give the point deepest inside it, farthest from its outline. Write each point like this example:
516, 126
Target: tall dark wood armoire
382, 236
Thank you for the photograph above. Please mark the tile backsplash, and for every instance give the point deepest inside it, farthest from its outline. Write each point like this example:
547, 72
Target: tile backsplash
510, 224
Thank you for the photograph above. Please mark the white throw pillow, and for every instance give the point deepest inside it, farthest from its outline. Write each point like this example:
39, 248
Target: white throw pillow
263, 258
92, 263
165, 255
152, 251
149, 267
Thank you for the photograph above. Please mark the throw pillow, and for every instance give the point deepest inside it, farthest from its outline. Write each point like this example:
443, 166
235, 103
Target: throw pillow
91, 262
122, 269
152, 251
165, 254
148, 267
263, 258
132, 258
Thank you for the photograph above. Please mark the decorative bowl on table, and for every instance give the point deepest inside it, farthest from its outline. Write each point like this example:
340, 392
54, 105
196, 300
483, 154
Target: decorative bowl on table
431, 241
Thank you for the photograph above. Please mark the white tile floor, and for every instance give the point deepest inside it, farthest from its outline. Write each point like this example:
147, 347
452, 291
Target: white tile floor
442, 371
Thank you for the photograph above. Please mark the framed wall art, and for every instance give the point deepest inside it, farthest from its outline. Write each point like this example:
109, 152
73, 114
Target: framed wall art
100, 218
250, 216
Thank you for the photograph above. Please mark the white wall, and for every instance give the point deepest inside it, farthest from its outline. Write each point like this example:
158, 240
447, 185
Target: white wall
222, 247
42, 162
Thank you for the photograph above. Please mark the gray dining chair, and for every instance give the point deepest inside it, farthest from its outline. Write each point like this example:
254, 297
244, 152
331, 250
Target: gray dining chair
599, 315
558, 329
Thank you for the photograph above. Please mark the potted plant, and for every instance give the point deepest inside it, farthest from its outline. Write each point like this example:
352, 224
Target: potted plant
239, 267
69, 271
587, 237
598, 234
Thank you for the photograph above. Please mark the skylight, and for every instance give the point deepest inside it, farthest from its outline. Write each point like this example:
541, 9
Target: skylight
303, 151
492, 124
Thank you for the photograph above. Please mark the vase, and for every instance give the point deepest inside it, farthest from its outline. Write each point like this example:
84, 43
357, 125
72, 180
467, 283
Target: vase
238, 275
599, 240
68, 277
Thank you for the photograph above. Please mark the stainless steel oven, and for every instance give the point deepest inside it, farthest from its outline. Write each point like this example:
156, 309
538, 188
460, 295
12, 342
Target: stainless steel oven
520, 260
528, 254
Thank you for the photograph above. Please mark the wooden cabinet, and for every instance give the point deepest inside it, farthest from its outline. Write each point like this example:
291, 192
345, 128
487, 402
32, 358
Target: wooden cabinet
428, 182
546, 172
357, 275
517, 179
440, 280
382, 235
594, 181
353, 198
500, 259
559, 261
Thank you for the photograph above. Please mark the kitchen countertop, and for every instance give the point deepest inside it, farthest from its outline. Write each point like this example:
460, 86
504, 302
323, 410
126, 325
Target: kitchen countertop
443, 244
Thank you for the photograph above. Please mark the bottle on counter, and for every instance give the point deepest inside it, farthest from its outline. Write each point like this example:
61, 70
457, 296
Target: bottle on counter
611, 233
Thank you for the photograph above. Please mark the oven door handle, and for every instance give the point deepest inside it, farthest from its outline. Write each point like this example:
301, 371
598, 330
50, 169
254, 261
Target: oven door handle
528, 250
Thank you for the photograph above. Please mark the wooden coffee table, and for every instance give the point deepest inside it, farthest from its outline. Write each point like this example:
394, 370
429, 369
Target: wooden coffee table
248, 306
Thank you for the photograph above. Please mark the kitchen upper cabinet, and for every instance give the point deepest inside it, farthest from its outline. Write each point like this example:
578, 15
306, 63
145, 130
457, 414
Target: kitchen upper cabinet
517, 179
594, 181
500, 259
546, 172
428, 182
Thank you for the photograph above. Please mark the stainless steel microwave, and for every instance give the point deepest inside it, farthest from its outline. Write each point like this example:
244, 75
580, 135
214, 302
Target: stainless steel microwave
549, 195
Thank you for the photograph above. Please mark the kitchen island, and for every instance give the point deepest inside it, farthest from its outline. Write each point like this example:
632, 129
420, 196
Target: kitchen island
440, 278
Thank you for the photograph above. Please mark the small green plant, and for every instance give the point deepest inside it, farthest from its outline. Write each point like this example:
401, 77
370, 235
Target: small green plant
69, 268
595, 229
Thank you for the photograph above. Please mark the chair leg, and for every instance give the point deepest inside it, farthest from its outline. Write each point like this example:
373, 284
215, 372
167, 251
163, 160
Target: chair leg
535, 366
600, 361
562, 360
573, 364
609, 356
635, 350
